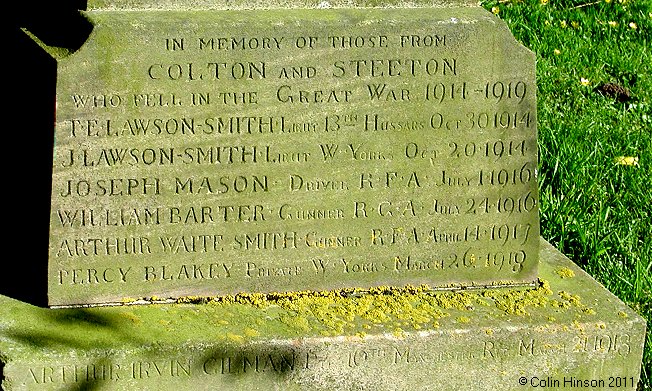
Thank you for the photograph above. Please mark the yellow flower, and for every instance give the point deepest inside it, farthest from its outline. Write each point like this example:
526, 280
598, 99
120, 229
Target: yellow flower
584, 82
547, 23
575, 24
607, 1
632, 25
563, 24
495, 10
627, 161
557, 52
613, 23
544, 2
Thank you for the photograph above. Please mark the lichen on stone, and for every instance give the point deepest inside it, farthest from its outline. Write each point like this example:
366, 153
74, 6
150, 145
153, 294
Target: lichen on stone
572, 299
463, 319
382, 309
565, 272
235, 337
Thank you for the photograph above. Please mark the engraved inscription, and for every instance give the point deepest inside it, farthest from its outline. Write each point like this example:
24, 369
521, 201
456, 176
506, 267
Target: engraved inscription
392, 148
217, 365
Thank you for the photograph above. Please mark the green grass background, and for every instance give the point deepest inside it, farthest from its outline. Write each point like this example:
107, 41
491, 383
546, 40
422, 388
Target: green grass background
594, 209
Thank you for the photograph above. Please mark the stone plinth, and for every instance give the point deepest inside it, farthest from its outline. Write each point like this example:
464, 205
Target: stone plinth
566, 332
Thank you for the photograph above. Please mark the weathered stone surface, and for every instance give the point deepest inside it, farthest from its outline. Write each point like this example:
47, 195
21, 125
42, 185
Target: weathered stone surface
184, 5
568, 329
213, 152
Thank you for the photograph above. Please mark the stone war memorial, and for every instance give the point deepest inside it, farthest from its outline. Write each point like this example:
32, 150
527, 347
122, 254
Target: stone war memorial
299, 195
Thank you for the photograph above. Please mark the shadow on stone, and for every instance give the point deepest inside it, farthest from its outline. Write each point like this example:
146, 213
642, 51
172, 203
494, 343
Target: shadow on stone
62, 28
90, 375
79, 318
30, 121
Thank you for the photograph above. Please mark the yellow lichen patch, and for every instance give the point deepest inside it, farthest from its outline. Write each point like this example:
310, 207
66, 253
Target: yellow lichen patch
463, 319
354, 309
565, 272
228, 299
300, 322
489, 331
545, 287
383, 309
622, 314
258, 300
398, 332
461, 300
600, 325
572, 299
191, 300
235, 337
518, 302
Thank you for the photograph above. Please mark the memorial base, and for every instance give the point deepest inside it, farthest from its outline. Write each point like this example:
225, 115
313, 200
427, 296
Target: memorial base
568, 333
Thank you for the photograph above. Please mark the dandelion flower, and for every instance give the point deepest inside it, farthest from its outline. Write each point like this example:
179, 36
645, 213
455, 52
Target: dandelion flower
584, 82
563, 24
632, 25
627, 161
495, 10
613, 23
575, 24
544, 2
607, 1
557, 52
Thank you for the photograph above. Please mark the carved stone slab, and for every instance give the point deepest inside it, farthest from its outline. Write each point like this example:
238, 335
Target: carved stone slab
206, 152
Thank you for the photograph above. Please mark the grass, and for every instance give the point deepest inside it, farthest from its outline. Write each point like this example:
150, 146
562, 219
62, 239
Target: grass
595, 170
